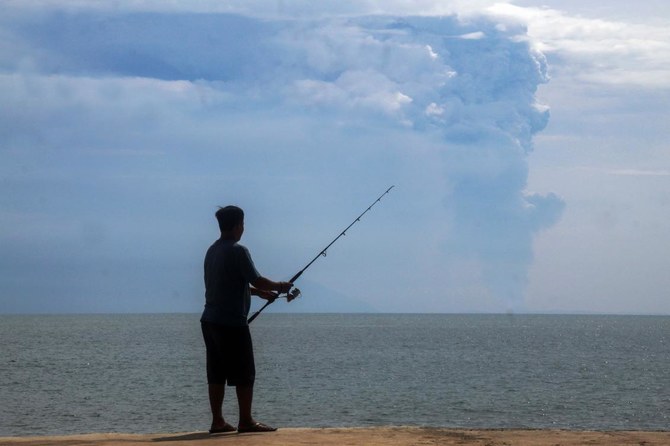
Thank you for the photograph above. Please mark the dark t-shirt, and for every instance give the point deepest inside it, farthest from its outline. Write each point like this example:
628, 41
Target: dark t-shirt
228, 272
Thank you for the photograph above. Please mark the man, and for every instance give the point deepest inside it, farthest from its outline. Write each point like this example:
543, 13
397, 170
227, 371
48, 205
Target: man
229, 271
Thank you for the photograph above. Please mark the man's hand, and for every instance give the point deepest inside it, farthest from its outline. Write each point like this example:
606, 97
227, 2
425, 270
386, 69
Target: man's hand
285, 287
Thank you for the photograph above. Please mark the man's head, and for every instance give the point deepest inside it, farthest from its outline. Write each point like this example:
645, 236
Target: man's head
231, 221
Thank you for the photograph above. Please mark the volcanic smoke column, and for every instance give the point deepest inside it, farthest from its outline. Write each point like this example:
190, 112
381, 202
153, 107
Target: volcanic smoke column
488, 115
473, 82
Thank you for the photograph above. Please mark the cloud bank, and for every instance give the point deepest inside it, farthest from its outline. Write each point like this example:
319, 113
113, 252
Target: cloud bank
604, 52
108, 94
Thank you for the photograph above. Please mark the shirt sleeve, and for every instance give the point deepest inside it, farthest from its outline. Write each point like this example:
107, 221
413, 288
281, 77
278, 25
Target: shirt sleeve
247, 267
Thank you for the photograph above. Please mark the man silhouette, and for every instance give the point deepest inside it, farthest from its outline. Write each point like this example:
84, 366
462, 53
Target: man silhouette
229, 272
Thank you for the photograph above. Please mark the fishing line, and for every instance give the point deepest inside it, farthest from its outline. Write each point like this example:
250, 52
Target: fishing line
296, 292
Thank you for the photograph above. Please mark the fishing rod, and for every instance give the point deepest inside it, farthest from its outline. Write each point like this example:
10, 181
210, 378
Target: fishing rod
295, 292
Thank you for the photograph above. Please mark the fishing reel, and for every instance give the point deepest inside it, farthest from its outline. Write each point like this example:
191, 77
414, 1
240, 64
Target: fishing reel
295, 292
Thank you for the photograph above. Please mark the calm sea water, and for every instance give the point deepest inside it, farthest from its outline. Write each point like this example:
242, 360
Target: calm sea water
145, 373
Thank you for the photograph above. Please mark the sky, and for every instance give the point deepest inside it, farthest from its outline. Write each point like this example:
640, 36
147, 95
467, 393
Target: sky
527, 142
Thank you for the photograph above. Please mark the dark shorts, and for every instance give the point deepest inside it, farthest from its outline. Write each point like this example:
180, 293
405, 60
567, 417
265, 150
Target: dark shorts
230, 355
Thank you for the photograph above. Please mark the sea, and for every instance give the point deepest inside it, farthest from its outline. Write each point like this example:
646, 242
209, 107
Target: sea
145, 373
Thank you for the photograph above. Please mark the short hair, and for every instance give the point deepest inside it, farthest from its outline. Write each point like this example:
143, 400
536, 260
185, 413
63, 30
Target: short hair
229, 217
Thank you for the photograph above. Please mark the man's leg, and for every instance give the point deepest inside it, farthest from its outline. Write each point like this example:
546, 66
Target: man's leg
245, 396
216, 393
245, 386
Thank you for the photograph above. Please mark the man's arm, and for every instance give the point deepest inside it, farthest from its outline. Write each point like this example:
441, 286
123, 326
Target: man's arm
263, 294
264, 284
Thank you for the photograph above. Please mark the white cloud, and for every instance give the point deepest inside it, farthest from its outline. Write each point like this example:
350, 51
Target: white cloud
628, 172
219, 96
434, 110
268, 9
597, 50
354, 89
473, 36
